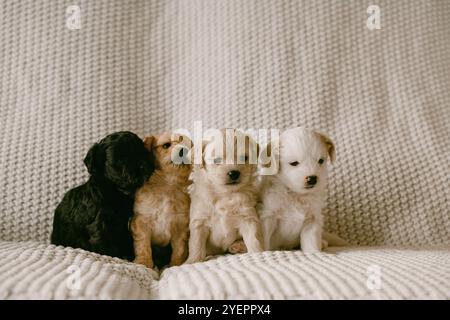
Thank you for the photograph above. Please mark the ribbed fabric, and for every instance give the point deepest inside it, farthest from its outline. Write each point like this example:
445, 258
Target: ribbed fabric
36, 271
340, 273
151, 66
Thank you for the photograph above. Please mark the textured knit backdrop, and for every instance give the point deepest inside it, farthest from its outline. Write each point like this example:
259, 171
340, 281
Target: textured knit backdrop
149, 66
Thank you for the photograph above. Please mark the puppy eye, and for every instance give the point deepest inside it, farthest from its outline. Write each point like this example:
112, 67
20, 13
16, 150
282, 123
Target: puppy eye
166, 145
321, 161
217, 160
294, 164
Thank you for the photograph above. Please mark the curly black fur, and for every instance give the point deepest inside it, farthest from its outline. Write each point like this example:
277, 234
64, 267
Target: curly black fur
95, 215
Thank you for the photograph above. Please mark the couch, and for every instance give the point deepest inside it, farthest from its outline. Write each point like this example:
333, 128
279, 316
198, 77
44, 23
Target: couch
70, 75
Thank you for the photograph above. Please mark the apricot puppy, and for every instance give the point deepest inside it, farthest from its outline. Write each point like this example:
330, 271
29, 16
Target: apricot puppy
161, 208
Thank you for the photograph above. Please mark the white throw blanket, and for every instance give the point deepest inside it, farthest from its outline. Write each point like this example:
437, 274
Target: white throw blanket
31, 270
152, 66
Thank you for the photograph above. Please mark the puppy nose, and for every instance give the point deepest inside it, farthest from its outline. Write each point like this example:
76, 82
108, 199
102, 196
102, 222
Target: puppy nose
234, 175
311, 180
182, 152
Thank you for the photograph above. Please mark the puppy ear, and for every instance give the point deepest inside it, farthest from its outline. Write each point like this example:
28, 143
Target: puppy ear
149, 142
95, 159
329, 144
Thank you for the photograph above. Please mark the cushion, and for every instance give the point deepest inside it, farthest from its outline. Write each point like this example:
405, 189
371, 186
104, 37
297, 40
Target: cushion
339, 273
29, 270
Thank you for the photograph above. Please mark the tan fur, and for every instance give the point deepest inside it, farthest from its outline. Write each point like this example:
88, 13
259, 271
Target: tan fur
224, 214
330, 145
161, 209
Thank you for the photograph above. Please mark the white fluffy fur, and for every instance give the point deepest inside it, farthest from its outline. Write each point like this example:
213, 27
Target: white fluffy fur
223, 214
290, 213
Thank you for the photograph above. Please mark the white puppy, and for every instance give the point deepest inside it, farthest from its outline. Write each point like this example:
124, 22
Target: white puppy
224, 198
292, 199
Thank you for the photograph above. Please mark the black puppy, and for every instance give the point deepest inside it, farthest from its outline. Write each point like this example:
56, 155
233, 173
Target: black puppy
94, 216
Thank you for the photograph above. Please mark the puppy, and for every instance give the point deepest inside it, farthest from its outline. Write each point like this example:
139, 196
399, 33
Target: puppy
95, 215
161, 209
224, 197
292, 199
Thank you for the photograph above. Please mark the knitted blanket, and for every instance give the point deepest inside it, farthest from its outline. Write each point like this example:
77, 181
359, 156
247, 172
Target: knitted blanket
70, 75
38, 271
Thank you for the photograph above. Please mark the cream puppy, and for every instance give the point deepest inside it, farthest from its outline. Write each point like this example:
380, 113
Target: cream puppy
292, 199
223, 198
161, 207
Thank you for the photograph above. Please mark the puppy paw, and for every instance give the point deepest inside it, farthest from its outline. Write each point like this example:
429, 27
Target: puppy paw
144, 261
237, 247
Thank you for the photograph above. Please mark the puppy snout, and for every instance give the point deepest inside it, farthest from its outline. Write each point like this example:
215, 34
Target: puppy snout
311, 180
234, 175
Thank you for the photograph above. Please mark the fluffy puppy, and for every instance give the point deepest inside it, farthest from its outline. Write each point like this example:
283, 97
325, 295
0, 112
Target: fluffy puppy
161, 209
224, 197
95, 215
292, 199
